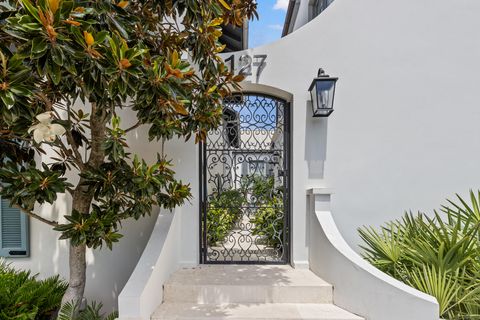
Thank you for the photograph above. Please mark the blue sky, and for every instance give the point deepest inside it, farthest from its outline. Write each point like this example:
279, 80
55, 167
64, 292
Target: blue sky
270, 24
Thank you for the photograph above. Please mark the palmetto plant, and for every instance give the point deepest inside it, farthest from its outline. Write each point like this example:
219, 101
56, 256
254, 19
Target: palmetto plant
71, 311
23, 296
438, 254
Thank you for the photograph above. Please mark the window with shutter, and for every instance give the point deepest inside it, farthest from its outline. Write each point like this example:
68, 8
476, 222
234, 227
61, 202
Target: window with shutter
13, 231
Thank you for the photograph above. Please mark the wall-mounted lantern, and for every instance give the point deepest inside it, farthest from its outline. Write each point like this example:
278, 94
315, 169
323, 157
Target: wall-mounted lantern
322, 91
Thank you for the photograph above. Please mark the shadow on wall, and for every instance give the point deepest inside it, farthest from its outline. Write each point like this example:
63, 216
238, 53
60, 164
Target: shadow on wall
109, 270
315, 143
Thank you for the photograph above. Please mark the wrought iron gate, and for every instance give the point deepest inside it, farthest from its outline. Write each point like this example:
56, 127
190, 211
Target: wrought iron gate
245, 177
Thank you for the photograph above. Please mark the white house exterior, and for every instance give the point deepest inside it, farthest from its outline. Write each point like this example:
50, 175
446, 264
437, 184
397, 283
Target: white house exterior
403, 136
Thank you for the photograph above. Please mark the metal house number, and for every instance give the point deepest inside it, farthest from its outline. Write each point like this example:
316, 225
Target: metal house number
247, 64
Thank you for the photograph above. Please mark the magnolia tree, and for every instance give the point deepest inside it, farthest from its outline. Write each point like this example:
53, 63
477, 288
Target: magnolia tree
67, 68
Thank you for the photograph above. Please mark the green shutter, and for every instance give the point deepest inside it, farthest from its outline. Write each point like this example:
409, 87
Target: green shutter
13, 231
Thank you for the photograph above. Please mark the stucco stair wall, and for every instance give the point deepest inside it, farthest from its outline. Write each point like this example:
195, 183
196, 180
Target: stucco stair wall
248, 292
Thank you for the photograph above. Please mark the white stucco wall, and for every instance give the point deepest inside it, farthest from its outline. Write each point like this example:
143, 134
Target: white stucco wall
185, 157
404, 132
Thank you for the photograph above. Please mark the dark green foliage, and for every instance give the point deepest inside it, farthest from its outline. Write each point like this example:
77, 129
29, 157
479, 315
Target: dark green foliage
231, 199
122, 190
223, 211
24, 297
269, 221
437, 254
35, 186
261, 189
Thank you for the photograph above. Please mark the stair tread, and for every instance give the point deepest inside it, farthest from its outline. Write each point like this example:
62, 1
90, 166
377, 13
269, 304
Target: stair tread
246, 275
292, 311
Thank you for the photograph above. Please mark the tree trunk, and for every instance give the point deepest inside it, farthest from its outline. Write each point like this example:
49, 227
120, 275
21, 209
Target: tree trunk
76, 283
81, 202
77, 262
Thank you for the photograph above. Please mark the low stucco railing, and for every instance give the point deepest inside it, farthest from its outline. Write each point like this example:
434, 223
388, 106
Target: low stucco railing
143, 292
358, 286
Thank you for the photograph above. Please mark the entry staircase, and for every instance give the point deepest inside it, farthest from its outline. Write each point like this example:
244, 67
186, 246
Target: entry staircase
248, 292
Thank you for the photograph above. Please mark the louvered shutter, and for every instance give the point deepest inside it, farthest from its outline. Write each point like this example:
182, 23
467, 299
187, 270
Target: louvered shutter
13, 231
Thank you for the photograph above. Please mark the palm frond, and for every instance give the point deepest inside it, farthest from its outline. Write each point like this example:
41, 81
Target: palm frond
68, 311
436, 283
437, 254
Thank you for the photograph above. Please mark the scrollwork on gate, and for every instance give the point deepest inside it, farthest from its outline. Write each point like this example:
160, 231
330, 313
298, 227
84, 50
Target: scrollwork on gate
245, 211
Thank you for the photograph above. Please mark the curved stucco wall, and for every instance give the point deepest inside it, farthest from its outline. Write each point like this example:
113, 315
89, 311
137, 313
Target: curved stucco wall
359, 287
405, 127
144, 290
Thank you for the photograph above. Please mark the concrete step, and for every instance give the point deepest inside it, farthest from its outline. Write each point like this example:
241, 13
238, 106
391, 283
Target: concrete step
264, 311
214, 284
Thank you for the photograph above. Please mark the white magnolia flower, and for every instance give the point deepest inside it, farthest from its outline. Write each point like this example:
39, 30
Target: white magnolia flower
45, 130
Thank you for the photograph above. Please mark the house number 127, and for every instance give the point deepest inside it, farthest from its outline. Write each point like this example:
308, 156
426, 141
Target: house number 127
247, 62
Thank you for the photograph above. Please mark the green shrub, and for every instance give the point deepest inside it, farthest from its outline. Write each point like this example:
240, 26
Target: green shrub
219, 223
223, 211
24, 297
263, 189
268, 222
231, 199
439, 255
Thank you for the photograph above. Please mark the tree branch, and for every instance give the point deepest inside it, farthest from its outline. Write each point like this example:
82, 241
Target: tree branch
70, 190
74, 146
36, 216
77, 161
4, 134
135, 126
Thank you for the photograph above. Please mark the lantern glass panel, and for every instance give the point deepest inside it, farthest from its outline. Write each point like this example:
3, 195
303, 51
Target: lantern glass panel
325, 92
313, 94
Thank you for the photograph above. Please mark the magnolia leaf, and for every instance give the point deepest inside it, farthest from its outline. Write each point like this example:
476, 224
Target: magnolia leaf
216, 22
225, 4
39, 46
8, 99
53, 5
174, 58
180, 109
89, 39
122, 4
239, 78
31, 9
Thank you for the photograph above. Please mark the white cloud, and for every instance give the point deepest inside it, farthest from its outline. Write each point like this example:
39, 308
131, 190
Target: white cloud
281, 5
275, 26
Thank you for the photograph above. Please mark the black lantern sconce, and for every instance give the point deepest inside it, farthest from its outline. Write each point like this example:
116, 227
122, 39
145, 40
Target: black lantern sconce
322, 91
